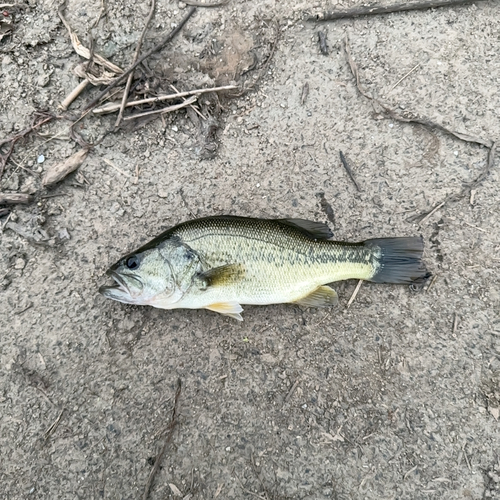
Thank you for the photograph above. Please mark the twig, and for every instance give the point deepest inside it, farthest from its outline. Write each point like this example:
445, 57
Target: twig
488, 143
194, 3
422, 121
465, 191
170, 431
24, 309
455, 323
102, 13
111, 107
9, 5
354, 294
73, 95
292, 390
323, 47
53, 427
131, 75
127, 72
249, 491
163, 110
474, 227
431, 283
6, 221
433, 211
304, 93
405, 76
84, 51
381, 9
112, 165
13, 139
409, 472
348, 170
15, 198
191, 106
466, 457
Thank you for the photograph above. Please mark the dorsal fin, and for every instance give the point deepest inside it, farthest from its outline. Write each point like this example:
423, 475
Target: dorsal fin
312, 229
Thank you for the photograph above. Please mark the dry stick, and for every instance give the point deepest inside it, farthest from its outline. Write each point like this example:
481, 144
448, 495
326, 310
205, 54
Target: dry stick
53, 427
110, 107
156, 48
8, 5
291, 391
170, 431
15, 198
488, 143
380, 9
405, 76
164, 110
131, 76
422, 121
433, 211
73, 95
193, 3
4, 158
465, 191
353, 296
191, 106
431, 283
348, 170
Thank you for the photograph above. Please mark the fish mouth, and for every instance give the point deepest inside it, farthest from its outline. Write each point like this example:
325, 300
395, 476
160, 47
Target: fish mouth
121, 290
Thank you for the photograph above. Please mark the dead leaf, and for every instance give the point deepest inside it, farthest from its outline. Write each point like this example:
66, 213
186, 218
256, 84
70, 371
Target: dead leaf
5, 29
84, 51
176, 491
59, 171
103, 78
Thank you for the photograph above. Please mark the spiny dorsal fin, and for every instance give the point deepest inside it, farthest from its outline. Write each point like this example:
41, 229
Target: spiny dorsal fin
312, 229
323, 296
232, 309
222, 275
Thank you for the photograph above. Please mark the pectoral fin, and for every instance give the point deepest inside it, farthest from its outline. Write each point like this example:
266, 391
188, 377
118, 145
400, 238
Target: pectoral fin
222, 275
232, 309
323, 296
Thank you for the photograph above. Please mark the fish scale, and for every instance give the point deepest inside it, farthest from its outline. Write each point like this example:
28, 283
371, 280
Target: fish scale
282, 264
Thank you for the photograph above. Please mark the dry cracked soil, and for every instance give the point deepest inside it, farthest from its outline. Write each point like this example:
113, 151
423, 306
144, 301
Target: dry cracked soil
394, 397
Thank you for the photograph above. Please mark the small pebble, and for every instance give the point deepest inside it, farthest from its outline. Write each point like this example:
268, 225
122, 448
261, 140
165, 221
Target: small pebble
41, 159
19, 264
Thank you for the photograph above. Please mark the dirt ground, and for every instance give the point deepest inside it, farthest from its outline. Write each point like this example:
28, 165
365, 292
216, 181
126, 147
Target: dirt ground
395, 397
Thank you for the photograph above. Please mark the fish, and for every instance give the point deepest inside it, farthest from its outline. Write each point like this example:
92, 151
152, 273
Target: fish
220, 263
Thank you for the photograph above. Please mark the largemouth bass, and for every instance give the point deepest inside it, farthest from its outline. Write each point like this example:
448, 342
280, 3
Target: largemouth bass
220, 263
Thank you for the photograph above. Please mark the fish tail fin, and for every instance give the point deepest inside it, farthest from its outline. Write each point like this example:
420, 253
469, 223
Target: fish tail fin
398, 260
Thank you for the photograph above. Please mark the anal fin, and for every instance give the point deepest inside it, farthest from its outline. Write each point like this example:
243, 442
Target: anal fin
232, 309
323, 296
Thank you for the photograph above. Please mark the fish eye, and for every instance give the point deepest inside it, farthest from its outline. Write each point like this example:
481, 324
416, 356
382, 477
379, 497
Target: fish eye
132, 262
